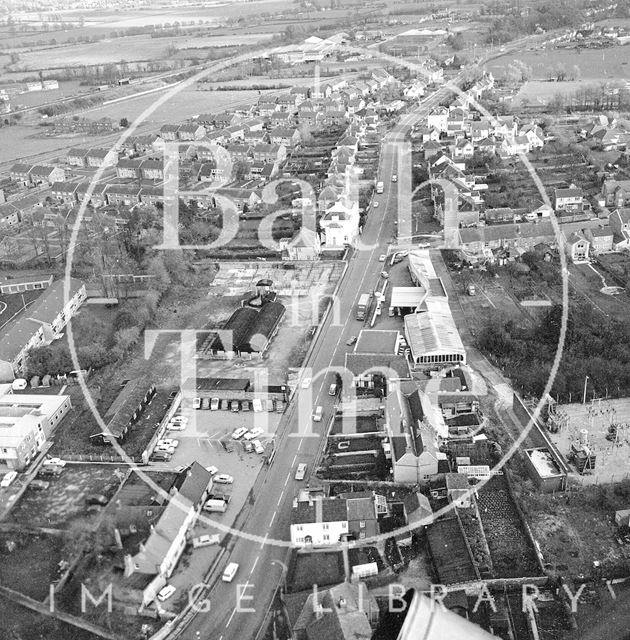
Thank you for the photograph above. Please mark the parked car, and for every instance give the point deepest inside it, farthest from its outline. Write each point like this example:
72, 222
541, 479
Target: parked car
160, 456
247, 446
237, 434
375, 204
234, 406
254, 433
215, 506
97, 498
165, 448
166, 592
169, 442
214, 404
258, 448
176, 426
55, 462
179, 420
212, 470
245, 405
206, 540
270, 405
279, 406
196, 403
8, 479
332, 390
50, 470
224, 405
306, 383
205, 403
223, 478
384, 275
300, 472
382, 257
39, 485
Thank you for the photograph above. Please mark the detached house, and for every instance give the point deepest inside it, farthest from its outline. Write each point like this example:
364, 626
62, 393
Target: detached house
577, 247
616, 193
601, 239
571, 199
21, 173
45, 174
620, 222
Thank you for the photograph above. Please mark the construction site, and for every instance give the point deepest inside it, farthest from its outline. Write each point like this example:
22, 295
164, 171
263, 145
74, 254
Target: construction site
594, 437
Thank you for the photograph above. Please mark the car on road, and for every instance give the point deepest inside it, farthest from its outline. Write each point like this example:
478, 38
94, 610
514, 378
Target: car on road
300, 472
237, 434
166, 592
212, 470
332, 390
223, 478
394, 178
214, 404
230, 572
205, 540
8, 479
382, 257
54, 462
351, 341
375, 204
306, 383
169, 442
384, 275
254, 433
317, 414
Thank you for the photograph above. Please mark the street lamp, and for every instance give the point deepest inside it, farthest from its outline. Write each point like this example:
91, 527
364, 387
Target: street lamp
584, 396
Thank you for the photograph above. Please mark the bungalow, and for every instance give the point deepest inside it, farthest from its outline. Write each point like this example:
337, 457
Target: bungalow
64, 191
77, 157
96, 158
577, 247
152, 170
127, 194
191, 131
128, 168
304, 245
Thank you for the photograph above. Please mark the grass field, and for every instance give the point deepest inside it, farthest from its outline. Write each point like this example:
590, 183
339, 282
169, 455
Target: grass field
595, 64
541, 91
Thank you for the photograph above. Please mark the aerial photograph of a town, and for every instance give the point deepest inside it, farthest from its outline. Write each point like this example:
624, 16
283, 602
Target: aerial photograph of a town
314, 319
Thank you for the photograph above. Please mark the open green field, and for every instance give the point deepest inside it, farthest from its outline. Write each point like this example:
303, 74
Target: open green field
541, 92
594, 64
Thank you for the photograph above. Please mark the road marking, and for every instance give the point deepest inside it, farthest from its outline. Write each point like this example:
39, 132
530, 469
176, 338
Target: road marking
280, 498
272, 518
294, 459
262, 544
230, 620
254, 565
286, 482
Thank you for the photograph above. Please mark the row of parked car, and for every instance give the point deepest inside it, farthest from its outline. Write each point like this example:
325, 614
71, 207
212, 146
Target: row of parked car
258, 404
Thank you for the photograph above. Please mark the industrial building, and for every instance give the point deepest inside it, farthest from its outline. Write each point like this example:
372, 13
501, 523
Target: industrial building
544, 470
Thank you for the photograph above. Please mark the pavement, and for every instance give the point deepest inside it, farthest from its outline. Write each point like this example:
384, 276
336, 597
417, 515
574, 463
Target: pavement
263, 547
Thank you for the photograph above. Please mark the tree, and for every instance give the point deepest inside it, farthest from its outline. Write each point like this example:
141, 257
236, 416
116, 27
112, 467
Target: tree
124, 123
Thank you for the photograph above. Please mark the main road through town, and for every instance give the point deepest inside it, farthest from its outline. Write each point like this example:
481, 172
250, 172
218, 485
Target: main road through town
261, 562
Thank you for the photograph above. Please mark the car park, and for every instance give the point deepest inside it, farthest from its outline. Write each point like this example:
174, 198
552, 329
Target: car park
223, 478
237, 434
166, 592
300, 472
230, 572
254, 433
214, 404
258, 448
206, 540
8, 479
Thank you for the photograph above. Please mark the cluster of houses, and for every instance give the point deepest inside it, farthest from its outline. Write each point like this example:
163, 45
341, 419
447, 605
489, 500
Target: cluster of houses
606, 134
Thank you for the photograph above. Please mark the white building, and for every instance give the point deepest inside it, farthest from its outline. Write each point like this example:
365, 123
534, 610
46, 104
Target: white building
340, 223
319, 522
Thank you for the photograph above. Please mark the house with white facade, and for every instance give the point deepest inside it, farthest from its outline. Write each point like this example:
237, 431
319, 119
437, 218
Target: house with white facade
340, 223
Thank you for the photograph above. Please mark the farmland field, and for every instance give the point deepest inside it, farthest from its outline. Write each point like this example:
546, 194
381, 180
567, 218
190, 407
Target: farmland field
542, 91
594, 64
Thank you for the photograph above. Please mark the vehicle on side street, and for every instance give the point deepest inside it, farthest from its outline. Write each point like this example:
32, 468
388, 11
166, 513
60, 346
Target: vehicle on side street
332, 390
351, 341
206, 540
212, 470
306, 383
223, 478
166, 592
300, 472
215, 506
379, 186
317, 414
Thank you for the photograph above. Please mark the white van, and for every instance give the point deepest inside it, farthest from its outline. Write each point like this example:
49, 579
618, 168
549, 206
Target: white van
317, 414
230, 572
215, 506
